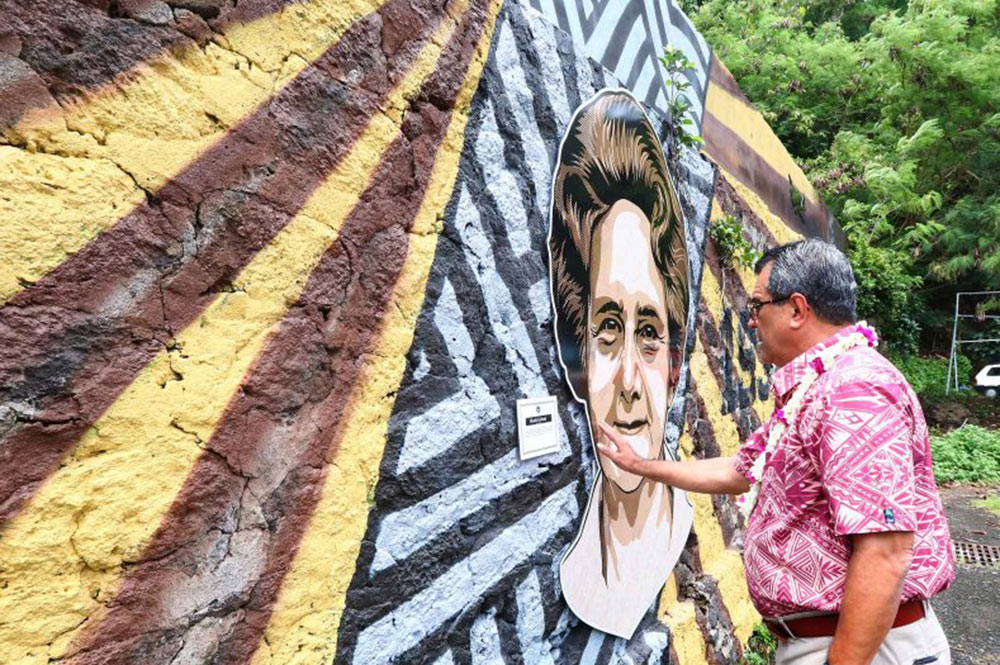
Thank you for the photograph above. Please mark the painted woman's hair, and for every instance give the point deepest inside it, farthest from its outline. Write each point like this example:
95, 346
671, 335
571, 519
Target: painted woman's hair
610, 152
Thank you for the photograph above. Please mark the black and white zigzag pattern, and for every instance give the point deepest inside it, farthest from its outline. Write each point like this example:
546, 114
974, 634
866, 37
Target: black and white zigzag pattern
628, 36
460, 560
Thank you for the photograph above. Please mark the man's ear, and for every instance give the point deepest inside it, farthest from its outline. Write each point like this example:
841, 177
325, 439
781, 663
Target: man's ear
800, 311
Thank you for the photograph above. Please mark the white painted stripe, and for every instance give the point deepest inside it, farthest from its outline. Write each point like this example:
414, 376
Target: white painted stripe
504, 316
536, 153
548, 10
584, 77
657, 642
445, 659
449, 321
630, 49
645, 80
405, 531
593, 648
551, 66
541, 302
484, 640
531, 622
600, 38
446, 423
501, 183
575, 29
465, 582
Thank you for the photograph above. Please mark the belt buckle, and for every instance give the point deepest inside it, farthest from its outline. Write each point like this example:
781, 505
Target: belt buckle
784, 626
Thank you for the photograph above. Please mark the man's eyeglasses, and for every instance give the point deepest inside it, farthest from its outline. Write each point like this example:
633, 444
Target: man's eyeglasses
754, 306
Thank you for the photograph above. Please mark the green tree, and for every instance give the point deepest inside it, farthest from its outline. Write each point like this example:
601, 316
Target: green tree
893, 109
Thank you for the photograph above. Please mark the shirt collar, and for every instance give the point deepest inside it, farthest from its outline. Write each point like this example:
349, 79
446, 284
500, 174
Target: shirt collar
785, 379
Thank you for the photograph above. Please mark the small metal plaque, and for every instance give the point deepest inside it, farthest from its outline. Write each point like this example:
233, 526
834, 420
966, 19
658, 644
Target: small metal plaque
537, 426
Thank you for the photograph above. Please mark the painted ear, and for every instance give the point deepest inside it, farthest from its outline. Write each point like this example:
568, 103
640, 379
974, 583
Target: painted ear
675, 367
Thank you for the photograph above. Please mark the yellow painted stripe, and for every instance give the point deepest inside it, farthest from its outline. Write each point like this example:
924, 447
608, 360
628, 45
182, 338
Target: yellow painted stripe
711, 295
722, 563
303, 627
781, 232
750, 126
726, 433
685, 635
62, 556
73, 178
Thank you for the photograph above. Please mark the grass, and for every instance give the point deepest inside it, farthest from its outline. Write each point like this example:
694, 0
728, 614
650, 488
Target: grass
968, 455
990, 503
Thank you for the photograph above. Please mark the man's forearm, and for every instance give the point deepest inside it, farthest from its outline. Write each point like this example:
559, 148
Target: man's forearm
875, 576
716, 475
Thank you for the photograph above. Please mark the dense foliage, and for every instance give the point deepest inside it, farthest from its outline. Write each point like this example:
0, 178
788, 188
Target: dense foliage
969, 454
928, 376
893, 109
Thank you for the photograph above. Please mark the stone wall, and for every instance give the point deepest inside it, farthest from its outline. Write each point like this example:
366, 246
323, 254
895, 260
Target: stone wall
274, 276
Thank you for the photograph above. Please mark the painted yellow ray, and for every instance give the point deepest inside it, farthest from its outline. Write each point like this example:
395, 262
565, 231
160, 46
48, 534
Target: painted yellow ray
711, 295
685, 635
781, 231
70, 171
303, 627
61, 557
722, 563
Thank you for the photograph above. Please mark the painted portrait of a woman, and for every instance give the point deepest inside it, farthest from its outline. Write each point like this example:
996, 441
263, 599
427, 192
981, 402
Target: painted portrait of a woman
620, 293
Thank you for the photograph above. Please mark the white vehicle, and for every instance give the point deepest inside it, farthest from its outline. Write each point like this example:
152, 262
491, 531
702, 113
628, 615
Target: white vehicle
988, 380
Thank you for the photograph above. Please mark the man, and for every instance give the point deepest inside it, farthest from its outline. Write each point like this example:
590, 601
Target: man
848, 538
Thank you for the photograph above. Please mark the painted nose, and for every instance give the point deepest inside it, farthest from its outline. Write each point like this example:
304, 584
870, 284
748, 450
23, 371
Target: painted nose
631, 382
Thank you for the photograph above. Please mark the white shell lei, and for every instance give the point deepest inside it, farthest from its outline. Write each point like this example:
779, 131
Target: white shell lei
862, 335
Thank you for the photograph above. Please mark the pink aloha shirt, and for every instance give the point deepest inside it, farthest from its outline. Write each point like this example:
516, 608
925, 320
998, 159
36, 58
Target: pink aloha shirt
858, 460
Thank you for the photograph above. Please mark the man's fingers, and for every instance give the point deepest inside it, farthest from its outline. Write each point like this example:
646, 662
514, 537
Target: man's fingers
612, 435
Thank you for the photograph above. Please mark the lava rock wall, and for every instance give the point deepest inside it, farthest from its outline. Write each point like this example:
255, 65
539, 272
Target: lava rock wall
274, 276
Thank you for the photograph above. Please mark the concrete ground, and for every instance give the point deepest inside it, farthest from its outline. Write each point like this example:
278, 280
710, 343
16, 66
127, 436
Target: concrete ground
970, 608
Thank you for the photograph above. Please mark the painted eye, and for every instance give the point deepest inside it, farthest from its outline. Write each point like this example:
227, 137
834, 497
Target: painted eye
607, 331
648, 333
609, 325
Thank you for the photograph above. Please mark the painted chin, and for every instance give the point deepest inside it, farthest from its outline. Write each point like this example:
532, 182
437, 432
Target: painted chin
637, 434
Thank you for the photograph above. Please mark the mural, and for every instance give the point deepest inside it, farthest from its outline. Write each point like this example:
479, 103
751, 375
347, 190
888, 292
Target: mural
275, 273
627, 37
620, 289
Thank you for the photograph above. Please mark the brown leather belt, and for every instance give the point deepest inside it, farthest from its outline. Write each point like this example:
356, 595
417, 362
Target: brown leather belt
825, 625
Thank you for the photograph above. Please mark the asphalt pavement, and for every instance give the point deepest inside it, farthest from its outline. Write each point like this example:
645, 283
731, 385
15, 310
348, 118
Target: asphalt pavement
969, 610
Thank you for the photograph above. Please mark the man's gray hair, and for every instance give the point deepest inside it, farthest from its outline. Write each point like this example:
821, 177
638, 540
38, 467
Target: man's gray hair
817, 270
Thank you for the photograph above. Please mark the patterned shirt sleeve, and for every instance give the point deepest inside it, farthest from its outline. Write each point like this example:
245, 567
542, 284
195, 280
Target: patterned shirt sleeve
750, 449
864, 451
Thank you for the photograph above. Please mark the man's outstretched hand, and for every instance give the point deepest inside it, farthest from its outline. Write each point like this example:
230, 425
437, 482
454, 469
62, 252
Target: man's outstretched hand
613, 446
716, 475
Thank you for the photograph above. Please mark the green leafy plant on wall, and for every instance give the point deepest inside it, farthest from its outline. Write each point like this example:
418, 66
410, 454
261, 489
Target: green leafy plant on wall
760, 647
677, 65
733, 249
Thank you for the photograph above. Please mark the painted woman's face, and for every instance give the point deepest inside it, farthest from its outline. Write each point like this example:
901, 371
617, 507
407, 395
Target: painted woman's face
628, 349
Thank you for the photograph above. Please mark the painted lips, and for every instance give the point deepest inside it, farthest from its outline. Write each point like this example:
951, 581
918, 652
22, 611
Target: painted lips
630, 427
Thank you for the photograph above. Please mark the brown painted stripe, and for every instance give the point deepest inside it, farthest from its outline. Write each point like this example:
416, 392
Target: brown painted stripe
304, 378
719, 74
729, 150
71, 343
101, 46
